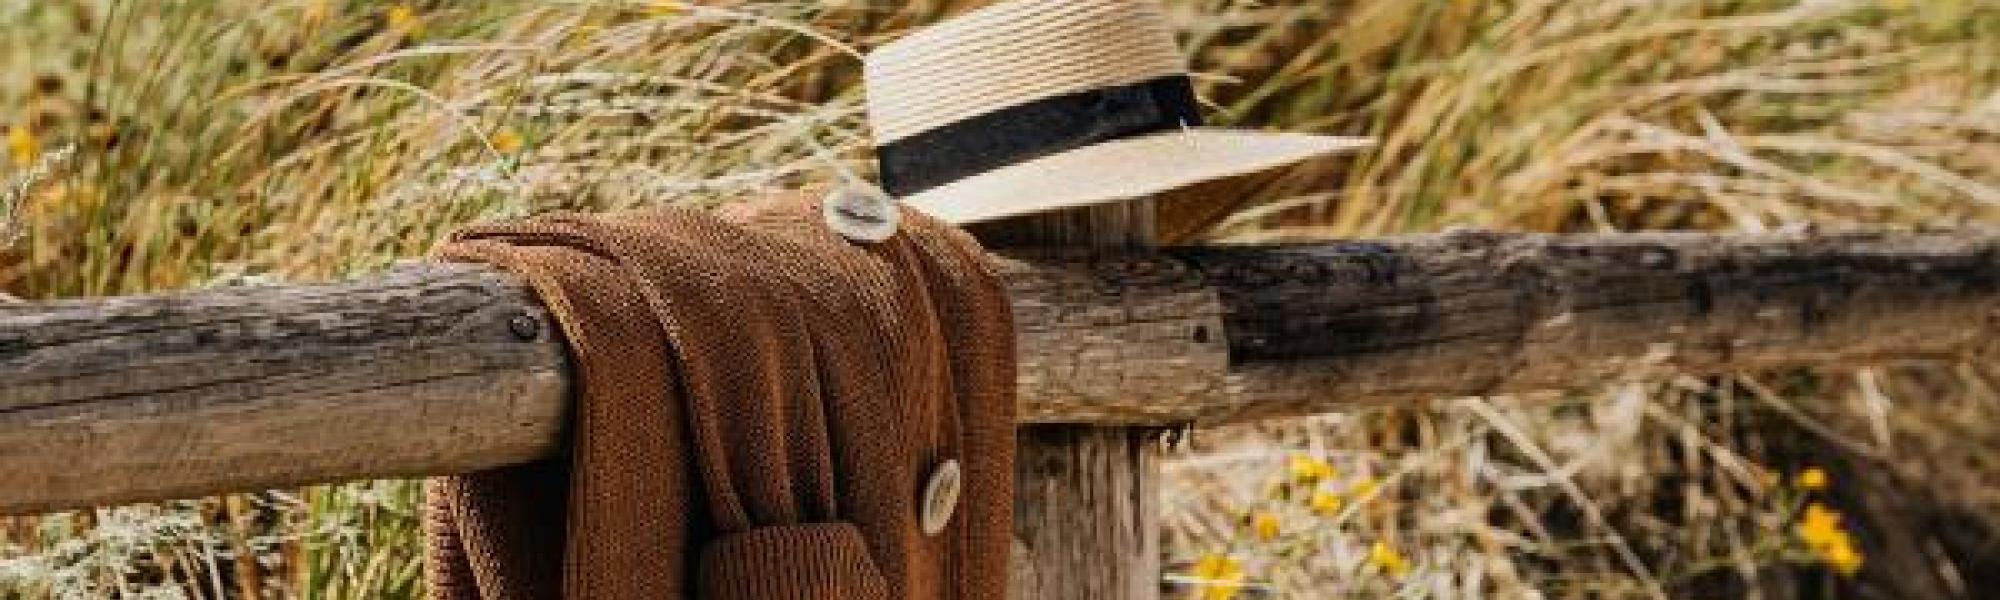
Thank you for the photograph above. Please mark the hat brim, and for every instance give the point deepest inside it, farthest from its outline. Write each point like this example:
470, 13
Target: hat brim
1122, 170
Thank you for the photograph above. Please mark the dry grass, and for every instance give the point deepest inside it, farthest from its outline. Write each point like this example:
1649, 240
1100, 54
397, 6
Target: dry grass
215, 140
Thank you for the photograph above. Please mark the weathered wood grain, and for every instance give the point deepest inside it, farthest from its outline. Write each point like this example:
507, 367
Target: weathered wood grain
1314, 328
1086, 513
422, 371
1086, 502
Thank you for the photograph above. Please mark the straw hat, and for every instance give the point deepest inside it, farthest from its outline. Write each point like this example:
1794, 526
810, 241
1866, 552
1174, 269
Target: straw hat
1034, 105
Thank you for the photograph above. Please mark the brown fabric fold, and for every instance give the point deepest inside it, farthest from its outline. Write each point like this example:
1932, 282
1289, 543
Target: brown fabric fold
766, 563
758, 405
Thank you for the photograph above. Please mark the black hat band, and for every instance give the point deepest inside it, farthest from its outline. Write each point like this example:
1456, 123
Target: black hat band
1041, 128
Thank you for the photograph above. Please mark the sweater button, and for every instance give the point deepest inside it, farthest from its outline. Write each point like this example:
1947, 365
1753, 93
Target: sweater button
861, 214
941, 496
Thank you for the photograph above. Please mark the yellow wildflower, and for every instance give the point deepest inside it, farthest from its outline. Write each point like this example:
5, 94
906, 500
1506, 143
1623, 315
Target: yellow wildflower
1388, 560
1822, 533
507, 140
1812, 479
404, 20
22, 146
1265, 524
1325, 503
1843, 558
1311, 469
1819, 525
1221, 576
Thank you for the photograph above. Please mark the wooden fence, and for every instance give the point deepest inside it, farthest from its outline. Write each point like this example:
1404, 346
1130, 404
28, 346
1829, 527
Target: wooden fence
435, 369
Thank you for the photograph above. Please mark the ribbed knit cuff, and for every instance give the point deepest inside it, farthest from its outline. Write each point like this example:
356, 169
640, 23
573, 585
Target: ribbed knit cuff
817, 561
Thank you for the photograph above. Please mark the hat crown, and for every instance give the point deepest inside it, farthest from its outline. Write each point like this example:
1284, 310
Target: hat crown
1012, 54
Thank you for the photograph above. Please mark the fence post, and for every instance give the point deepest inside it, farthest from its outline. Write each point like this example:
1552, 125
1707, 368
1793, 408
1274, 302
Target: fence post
1086, 508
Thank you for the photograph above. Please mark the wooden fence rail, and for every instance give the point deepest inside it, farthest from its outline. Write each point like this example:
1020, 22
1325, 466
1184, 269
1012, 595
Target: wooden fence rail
438, 369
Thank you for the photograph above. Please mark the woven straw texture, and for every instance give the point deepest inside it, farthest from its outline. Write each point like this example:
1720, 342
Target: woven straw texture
759, 404
1011, 54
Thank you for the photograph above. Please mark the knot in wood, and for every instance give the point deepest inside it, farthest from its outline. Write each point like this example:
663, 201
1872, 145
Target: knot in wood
526, 327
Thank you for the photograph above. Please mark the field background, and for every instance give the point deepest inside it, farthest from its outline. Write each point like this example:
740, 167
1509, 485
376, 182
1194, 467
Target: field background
183, 143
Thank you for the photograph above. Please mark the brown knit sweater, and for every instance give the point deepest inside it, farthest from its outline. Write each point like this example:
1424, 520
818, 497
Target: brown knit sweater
759, 406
